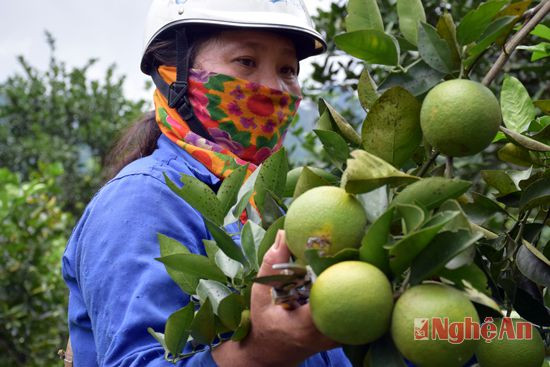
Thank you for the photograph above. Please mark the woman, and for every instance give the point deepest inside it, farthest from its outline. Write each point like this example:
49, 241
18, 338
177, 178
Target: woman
226, 74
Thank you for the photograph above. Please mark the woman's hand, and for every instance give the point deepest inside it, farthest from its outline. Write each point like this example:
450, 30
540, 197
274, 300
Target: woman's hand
278, 337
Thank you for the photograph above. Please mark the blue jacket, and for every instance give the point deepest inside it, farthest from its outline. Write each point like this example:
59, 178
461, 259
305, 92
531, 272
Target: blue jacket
117, 288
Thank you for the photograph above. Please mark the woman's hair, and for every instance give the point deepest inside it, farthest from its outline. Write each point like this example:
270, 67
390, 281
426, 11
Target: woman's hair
140, 138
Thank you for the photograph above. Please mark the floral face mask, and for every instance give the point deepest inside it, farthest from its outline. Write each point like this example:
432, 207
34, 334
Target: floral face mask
246, 121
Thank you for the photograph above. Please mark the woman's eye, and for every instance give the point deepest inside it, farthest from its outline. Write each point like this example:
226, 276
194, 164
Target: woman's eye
246, 62
289, 70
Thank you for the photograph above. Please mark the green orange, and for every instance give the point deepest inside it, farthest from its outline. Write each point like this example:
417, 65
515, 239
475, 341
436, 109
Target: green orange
428, 302
509, 351
351, 302
327, 218
460, 117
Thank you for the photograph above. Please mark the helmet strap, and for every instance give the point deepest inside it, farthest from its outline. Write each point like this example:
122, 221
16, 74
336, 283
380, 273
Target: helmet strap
176, 93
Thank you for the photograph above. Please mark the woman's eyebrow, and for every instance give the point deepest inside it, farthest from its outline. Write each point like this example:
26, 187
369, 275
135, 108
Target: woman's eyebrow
287, 50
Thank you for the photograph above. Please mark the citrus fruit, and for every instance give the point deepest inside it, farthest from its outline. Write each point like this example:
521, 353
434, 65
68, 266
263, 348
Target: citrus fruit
325, 217
460, 117
508, 351
351, 302
429, 303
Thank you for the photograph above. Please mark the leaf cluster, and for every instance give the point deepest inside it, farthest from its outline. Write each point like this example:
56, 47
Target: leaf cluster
33, 233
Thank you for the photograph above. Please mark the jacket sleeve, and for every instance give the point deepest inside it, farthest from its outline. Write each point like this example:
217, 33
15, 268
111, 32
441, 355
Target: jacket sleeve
110, 264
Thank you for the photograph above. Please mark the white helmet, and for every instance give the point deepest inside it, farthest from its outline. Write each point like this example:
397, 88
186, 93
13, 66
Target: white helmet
286, 15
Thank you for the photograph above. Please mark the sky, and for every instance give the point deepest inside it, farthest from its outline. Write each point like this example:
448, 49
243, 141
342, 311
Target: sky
111, 30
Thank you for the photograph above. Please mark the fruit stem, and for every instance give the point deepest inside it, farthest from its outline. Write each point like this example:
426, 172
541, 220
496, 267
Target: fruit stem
403, 286
449, 168
508, 49
428, 163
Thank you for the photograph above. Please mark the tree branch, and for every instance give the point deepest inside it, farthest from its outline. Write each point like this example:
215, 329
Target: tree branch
509, 48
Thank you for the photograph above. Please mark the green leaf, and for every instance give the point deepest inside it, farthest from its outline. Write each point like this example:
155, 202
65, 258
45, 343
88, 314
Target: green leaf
372, 46
231, 268
530, 305
320, 262
410, 13
193, 265
308, 180
211, 249
339, 124
392, 128
517, 107
213, 291
542, 31
200, 196
240, 207
226, 243
515, 154
169, 246
533, 264
447, 30
482, 208
374, 202
525, 141
251, 236
536, 194
544, 134
441, 250
461, 221
366, 172
244, 327
431, 192
471, 273
543, 105
335, 146
383, 353
433, 49
229, 189
404, 251
230, 309
203, 327
499, 28
363, 14
505, 181
245, 193
539, 51
159, 337
372, 246
366, 90
177, 327
476, 21
272, 177
269, 238
295, 174
272, 210
479, 297
412, 215
516, 9
418, 79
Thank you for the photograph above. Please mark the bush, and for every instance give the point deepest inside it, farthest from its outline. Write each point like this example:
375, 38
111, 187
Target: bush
33, 298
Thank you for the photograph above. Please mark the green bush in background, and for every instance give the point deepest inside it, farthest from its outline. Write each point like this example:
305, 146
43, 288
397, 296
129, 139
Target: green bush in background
33, 233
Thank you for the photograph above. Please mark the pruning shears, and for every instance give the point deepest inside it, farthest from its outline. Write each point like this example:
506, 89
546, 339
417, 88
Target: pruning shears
290, 288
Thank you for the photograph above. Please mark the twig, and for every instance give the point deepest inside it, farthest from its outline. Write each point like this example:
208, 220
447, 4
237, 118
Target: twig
509, 48
428, 163
529, 13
